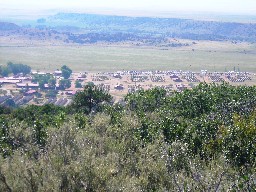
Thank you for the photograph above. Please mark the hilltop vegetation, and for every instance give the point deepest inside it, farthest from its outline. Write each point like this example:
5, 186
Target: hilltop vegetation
197, 140
156, 27
13, 68
91, 28
4, 26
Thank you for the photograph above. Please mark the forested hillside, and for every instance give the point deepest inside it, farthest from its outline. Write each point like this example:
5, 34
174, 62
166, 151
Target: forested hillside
92, 28
197, 140
167, 27
4, 26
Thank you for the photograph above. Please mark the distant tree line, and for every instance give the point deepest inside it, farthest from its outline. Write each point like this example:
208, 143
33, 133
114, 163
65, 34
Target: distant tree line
137, 27
118, 37
13, 68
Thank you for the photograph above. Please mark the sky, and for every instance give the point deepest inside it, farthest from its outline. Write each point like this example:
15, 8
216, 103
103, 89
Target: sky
222, 6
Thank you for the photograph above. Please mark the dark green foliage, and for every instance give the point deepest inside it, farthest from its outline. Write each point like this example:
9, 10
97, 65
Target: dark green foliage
239, 140
5, 71
115, 111
52, 83
197, 116
51, 94
5, 147
204, 99
45, 114
146, 101
18, 68
78, 84
89, 99
43, 79
10, 103
40, 133
64, 84
5, 110
15, 69
66, 71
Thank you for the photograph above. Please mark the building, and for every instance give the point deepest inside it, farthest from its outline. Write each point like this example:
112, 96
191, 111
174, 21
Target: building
58, 73
27, 85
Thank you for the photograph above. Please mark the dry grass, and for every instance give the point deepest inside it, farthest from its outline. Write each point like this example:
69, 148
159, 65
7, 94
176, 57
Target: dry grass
213, 56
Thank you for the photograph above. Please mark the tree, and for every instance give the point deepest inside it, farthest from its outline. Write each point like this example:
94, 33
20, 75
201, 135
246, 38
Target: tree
10, 103
64, 84
66, 71
42, 79
5, 71
78, 84
90, 98
41, 84
18, 68
146, 100
239, 146
52, 83
51, 94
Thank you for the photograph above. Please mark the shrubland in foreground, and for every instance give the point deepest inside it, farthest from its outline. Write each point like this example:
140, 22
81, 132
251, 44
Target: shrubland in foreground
202, 139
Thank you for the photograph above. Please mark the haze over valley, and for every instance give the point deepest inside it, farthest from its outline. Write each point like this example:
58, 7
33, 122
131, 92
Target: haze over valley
232, 44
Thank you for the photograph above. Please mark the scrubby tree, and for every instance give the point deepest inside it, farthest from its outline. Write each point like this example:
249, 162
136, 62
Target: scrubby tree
66, 71
52, 83
155, 146
10, 103
51, 94
64, 84
42, 79
5, 71
146, 100
18, 68
89, 99
15, 69
78, 84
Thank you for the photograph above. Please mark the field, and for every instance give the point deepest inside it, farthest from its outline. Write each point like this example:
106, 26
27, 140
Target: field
212, 56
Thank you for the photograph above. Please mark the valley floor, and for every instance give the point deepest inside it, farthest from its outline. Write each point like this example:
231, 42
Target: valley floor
105, 57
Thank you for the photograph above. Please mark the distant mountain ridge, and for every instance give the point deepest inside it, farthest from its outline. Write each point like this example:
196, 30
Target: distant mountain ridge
171, 27
88, 28
5, 26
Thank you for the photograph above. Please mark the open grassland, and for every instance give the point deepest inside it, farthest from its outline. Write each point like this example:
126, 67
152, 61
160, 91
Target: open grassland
213, 56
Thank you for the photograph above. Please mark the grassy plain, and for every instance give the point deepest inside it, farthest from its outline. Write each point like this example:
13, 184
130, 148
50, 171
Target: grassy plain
213, 56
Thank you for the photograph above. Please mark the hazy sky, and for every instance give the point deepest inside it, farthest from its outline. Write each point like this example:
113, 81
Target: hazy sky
228, 6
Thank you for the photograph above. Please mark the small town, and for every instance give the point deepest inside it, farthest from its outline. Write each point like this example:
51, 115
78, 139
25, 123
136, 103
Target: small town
58, 87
